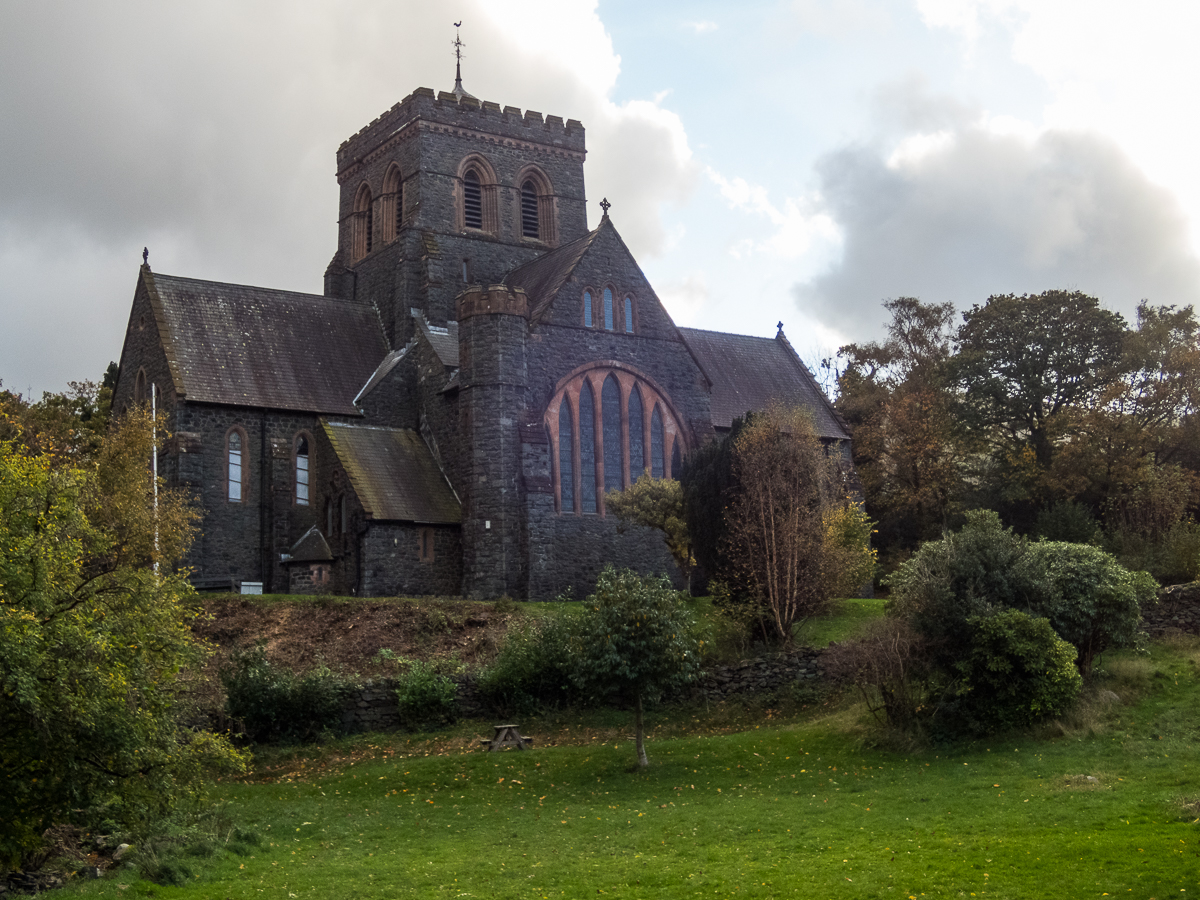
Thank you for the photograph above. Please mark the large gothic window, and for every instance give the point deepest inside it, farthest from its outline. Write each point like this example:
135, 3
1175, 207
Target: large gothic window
625, 427
656, 443
637, 449
566, 457
587, 449
610, 400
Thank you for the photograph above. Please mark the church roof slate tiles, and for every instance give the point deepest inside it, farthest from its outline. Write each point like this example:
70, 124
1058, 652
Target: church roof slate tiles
312, 547
752, 372
394, 474
251, 346
541, 278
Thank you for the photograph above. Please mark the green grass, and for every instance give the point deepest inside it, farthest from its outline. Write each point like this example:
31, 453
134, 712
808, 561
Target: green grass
846, 620
801, 809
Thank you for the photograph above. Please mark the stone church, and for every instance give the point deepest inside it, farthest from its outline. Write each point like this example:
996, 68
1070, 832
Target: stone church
447, 415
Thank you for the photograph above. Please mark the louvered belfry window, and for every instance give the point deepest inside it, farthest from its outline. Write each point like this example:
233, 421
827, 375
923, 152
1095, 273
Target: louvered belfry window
529, 211
472, 201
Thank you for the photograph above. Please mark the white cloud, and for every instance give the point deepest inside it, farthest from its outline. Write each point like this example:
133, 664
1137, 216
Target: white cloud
685, 298
211, 138
976, 213
703, 27
799, 226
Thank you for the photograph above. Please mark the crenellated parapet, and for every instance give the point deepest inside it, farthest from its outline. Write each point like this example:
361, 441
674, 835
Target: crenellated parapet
495, 299
466, 115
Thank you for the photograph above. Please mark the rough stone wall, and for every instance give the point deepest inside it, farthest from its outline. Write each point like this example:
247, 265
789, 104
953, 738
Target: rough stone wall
243, 540
764, 674
438, 419
491, 403
392, 566
143, 348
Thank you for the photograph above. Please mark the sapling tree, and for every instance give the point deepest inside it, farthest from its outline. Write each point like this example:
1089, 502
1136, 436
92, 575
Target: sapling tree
634, 641
656, 503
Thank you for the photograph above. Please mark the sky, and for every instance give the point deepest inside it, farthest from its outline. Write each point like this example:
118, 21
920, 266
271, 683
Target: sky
795, 161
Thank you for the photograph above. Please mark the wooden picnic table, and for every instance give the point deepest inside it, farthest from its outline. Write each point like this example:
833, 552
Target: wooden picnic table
507, 736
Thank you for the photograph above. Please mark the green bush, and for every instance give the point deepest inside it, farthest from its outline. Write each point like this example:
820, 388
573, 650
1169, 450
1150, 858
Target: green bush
532, 671
968, 573
274, 704
1172, 556
1091, 600
1017, 672
425, 697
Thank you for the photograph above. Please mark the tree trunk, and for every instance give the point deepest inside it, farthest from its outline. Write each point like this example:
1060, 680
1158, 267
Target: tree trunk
641, 735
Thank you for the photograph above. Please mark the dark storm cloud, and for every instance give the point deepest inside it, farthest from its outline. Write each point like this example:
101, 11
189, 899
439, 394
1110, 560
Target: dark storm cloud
981, 213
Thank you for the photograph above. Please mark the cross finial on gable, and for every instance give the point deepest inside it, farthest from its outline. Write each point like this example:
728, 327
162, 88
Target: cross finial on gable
780, 327
145, 256
605, 205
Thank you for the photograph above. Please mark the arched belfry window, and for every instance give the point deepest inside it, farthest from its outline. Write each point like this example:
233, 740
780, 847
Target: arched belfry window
536, 210
529, 210
391, 205
302, 471
140, 393
477, 195
363, 225
472, 200
608, 425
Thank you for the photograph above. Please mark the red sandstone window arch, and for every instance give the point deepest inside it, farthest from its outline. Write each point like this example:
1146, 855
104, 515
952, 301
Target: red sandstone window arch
535, 207
608, 425
362, 224
391, 205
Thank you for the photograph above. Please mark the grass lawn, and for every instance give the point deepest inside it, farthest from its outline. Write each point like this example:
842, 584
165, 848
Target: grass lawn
799, 809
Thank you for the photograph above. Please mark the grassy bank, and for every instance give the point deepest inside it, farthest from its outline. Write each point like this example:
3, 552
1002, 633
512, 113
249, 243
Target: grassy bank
794, 809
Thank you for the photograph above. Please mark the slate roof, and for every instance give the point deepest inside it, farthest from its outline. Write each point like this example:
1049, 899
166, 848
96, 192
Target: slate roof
443, 339
750, 372
251, 346
541, 278
394, 475
312, 547
383, 370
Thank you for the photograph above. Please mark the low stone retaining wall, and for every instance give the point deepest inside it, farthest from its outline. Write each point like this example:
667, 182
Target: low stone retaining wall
372, 705
763, 674
1178, 609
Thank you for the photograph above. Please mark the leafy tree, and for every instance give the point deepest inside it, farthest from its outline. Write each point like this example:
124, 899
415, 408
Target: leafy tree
634, 641
1026, 366
66, 428
896, 398
93, 642
788, 488
656, 503
1091, 601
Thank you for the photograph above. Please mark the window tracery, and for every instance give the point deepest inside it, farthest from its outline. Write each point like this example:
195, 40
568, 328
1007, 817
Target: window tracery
608, 425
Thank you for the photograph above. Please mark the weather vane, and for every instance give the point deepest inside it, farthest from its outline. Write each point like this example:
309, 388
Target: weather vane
457, 45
